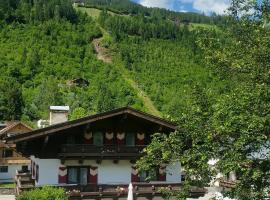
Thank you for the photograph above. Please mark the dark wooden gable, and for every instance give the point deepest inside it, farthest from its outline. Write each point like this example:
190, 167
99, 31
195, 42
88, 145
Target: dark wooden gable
122, 119
49, 142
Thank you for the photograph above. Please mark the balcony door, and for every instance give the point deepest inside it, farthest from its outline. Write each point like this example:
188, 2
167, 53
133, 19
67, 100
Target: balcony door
77, 175
98, 138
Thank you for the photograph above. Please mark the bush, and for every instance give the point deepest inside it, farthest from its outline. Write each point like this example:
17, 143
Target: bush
44, 193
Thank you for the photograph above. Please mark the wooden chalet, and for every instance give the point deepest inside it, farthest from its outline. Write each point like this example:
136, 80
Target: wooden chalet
93, 157
10, 159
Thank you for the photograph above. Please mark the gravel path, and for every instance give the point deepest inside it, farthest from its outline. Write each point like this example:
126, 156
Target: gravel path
7, 197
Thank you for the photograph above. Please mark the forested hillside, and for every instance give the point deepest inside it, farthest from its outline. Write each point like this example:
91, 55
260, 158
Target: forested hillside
208, 73
43, 46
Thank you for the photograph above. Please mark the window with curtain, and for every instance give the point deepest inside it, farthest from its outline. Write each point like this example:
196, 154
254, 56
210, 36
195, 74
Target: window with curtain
130, 139
83, 176
72, 175
78, 175
98, 139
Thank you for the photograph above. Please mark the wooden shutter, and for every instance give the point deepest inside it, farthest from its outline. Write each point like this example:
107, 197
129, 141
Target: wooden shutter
88, 138
134, 174
62, 175
34, 171
37, 173
121, 138
93, 175
109, 138
140, 139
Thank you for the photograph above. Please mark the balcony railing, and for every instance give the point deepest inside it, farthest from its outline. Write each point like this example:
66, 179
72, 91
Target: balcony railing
84, 150
148, 190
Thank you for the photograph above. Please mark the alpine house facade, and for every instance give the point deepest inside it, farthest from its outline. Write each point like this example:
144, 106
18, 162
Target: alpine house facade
96, 150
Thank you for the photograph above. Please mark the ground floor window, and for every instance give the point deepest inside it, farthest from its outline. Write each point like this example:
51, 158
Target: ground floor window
77, 175
151, 175
3, 169
24, 168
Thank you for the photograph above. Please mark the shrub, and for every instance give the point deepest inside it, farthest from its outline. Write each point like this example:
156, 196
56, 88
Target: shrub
44, 193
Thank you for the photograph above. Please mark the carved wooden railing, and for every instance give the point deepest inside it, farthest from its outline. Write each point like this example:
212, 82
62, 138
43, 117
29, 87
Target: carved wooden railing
106, 150
118, 190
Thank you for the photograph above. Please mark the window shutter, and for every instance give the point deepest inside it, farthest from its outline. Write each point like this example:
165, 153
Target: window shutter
88, 138
140, 139
37, 173
93, 175
121, 138
134, 174
109, 138
62, 175
34, 171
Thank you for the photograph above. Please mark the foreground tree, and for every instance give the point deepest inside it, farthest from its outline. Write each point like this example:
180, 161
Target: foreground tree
232, 128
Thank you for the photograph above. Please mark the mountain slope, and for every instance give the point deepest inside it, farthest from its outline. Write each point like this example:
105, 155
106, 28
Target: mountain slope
154, 65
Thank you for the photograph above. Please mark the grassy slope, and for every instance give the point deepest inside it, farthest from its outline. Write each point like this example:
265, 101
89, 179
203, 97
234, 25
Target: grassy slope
168, 78
95, 12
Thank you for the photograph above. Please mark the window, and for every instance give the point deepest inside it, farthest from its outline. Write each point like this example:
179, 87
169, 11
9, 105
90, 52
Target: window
77, 175
3, 169
98, 138
71, 139
149, 176
25, 168
7, 153
130, 139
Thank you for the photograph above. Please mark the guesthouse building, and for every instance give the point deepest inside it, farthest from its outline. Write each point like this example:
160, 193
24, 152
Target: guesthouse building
97, 154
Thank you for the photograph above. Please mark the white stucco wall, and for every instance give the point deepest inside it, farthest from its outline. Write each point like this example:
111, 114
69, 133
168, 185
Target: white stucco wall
173, 173
48, 170
9, 176
108, 172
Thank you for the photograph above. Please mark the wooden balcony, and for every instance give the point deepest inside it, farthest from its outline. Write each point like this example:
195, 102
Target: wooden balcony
147, 190
14, 160
100, 152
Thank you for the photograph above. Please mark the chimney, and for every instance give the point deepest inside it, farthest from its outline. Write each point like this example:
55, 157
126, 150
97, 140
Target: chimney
58, 114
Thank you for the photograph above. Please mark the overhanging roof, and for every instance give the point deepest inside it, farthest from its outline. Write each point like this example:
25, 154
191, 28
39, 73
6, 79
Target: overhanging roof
86, 120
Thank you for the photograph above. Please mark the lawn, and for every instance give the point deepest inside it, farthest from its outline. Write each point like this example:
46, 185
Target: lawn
7, 185
93, 12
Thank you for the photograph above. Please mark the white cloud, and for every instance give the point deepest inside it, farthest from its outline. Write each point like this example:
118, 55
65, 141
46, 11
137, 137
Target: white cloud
208, 6
168, 4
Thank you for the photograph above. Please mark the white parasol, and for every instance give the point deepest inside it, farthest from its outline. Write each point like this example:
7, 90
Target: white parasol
130, 192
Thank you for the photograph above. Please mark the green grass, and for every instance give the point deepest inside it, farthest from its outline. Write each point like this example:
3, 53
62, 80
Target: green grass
7, 185
95, 12
205, 26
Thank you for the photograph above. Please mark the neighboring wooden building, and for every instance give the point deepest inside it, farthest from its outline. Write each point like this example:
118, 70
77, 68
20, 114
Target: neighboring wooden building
79, 82
10, 160
96, 154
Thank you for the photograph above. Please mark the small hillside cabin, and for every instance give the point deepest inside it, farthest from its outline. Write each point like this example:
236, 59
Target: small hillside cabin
97, 152
10, 160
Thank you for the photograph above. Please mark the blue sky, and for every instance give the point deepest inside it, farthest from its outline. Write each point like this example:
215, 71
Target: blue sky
200, 6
